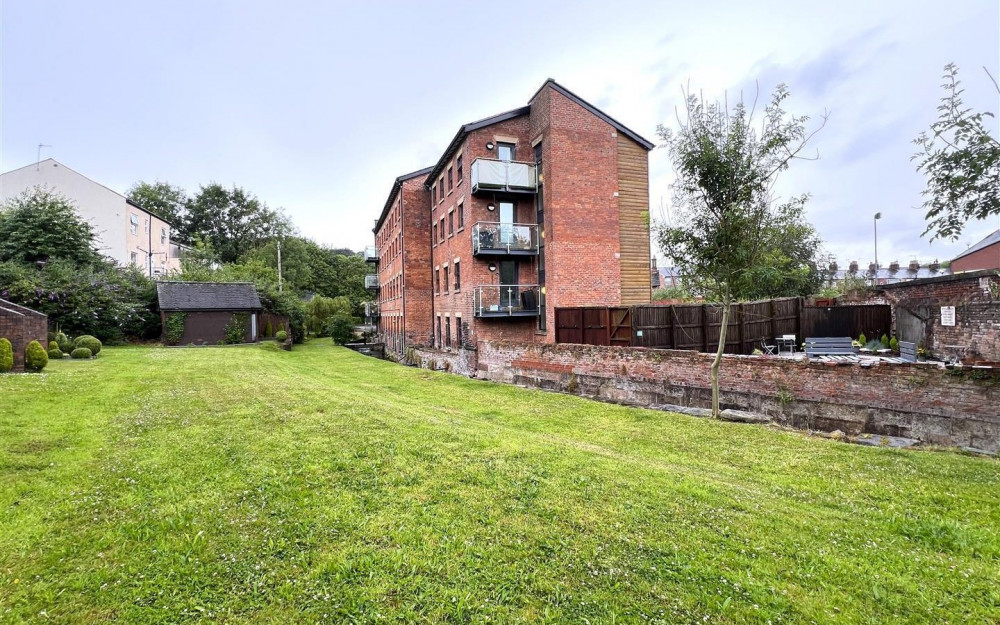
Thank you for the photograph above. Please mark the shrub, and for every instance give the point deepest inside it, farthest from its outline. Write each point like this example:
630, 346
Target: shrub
281, 336
52, 336
89, 342
894, 344
268, 330
236, 329
885, 341
6, 356
63, 342
55, 354
80, 353
35, 357
173, 328
53, 345
863, 340
340, 327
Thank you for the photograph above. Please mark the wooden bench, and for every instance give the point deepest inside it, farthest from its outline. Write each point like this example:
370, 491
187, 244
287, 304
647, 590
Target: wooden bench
908, 351
837, 346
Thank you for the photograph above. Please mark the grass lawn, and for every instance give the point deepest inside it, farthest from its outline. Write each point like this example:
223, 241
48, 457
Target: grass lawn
253, 485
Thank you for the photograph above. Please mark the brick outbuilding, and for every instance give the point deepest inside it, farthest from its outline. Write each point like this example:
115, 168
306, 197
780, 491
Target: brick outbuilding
208, 308
21, 326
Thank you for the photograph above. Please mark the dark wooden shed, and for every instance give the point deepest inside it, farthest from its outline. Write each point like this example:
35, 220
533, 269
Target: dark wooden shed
21, 326
208, 308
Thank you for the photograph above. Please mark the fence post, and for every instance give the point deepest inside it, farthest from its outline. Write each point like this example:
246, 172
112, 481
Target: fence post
704, 325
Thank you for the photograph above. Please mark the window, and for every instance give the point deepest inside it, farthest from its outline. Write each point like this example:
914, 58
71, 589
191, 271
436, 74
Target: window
437, 280
458, 277
441, 230
447, 331
446, 282
458, 167
439, 332
458, 332
451, 182
441, 189
434, 196
133, 224
505, 151
163, 236
451, 223
434, 237
461, 215
134, 257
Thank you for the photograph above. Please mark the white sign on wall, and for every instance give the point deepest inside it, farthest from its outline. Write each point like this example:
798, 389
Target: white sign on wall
947, 315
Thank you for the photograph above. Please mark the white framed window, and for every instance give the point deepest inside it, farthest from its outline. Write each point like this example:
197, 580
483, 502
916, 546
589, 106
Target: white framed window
163, 236
134, 258
133, 223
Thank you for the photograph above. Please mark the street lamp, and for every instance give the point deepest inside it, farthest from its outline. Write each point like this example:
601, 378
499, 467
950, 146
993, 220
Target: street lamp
875, 221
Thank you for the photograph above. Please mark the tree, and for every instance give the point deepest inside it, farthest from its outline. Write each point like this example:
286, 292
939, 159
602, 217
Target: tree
40, 225
233, 221
320, 308
728, 235
163, 200
961, 161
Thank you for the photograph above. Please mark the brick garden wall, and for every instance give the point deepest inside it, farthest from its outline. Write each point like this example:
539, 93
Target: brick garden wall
975, 336
20, 326
918, 401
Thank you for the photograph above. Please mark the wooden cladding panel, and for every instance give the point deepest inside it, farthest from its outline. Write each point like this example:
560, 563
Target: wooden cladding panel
633, 216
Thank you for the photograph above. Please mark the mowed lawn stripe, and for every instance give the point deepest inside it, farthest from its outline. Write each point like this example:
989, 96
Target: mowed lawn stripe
253, 485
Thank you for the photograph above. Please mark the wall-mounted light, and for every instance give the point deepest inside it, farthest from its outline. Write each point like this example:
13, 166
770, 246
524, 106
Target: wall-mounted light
489, 145
491, 207
492, 267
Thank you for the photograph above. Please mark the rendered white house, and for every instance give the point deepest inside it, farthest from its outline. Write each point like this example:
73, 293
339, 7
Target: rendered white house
124, 231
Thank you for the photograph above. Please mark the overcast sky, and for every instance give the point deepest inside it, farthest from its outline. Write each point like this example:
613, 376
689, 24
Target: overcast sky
317, 107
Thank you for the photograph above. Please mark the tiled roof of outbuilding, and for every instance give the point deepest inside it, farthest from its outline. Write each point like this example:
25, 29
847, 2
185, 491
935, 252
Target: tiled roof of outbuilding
207, 296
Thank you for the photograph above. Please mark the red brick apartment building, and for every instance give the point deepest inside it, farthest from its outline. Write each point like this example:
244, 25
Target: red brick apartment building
541, 207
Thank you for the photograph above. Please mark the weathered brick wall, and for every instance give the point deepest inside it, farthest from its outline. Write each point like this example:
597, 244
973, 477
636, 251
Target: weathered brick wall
416, 263
20, 326
457, 361
986, 258
975, 337
913, 400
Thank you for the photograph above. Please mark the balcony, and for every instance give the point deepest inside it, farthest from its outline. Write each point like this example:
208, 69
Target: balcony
492, 176
371, 254
491, 238
371, 310
371, 281
505, 300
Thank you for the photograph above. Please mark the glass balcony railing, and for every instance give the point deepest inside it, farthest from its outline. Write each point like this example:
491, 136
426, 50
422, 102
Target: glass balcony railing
371, 310
501, 239
371, 254
505, 300
371, 281
510, 176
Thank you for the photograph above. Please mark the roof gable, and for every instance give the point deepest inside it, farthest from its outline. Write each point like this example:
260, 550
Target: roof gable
207, 296
991, 239
631, 134
396, 186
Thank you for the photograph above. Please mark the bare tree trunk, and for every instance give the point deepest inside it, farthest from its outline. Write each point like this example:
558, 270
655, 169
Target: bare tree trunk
718, 359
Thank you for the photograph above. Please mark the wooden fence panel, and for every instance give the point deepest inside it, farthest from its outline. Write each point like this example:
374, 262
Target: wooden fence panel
621, 327
569, 325
595, 326
834, 321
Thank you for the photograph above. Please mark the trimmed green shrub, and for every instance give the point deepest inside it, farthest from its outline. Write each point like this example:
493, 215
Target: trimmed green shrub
63, 342
885, 341
55, 354
863, 340
89, 342
236, 329
81, 353
35, 357
53, 345
6, 356
894, 344
281, 336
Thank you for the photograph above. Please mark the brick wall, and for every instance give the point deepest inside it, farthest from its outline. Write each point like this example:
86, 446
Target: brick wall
913, 400
20, 326
986, 258
975, 337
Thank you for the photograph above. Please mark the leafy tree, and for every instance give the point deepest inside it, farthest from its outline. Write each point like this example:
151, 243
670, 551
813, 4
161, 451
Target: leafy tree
961, 160
320, 308
729, 231
340, 328
164, 200
40, 225
296, 268
233, 221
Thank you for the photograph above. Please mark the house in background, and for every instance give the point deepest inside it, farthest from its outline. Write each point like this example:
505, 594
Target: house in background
124, 231
209, 308
982, 255
533, 209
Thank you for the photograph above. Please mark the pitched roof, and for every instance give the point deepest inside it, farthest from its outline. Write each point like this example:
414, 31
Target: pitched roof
207, 296
524, 110
392, 193
990, 239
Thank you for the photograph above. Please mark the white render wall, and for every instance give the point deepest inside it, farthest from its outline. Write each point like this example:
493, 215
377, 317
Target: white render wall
106, 210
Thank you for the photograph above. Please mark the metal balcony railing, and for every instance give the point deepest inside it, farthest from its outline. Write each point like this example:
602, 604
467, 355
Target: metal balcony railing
371, 254
505, 300
371, 281
371, 310
500, 239
510, 176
